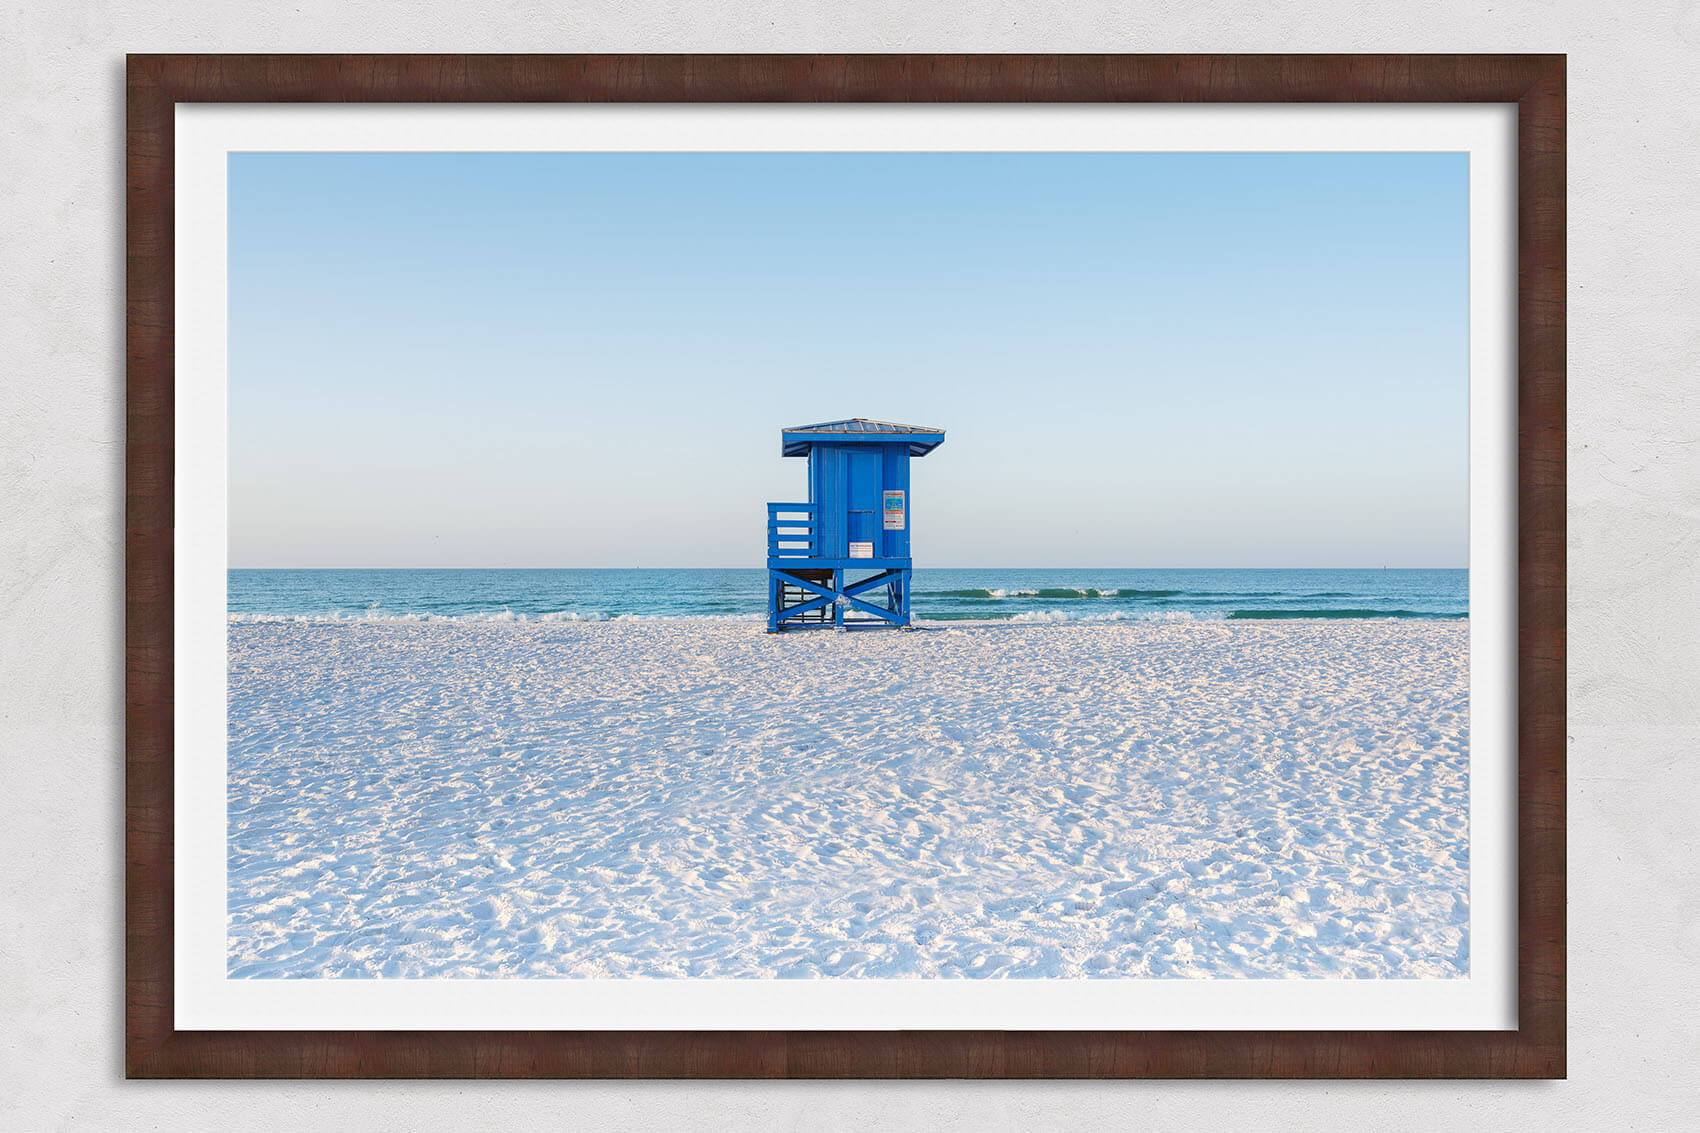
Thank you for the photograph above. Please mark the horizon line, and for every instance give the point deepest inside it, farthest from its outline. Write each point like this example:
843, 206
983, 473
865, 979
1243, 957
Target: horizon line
763, 567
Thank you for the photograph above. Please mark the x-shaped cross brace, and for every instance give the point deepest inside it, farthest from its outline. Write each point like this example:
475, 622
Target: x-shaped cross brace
827, 596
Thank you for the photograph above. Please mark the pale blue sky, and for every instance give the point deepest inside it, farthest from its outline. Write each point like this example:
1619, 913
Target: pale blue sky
586, 359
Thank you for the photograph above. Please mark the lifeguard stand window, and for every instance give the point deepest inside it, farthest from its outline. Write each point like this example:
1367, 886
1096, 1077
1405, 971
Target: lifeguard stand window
856, 520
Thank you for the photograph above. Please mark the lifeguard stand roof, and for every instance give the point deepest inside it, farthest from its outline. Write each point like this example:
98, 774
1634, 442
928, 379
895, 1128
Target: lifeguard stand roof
797, 440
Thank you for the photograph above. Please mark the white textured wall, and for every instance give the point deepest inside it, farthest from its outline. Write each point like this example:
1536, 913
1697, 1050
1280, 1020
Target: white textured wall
1634, 566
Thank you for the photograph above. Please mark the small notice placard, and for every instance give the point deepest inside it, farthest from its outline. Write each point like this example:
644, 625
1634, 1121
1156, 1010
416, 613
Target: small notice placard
861, 550
894, 511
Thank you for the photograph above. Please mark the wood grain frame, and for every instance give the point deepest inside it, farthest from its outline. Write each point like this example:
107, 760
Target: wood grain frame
1536, 83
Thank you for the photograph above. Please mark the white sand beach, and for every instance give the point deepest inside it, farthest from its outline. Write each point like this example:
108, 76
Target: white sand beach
697, 798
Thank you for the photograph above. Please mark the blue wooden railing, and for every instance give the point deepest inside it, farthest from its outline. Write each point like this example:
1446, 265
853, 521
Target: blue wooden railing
792, 538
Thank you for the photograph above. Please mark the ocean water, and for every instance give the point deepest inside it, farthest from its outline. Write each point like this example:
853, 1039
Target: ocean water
939, 595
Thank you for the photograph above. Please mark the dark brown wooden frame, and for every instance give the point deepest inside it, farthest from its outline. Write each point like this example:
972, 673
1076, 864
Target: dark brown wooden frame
1536, 83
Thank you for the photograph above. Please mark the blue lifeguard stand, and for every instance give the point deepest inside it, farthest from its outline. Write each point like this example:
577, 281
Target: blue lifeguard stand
856, 523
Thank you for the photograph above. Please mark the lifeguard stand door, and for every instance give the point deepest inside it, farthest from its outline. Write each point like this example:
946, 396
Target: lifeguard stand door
864, 503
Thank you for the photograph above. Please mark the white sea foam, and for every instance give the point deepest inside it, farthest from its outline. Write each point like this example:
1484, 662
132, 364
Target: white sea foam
504, 615
1028, 617
695, 798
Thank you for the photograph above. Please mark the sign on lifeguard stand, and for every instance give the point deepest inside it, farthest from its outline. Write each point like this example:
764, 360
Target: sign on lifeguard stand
842, 559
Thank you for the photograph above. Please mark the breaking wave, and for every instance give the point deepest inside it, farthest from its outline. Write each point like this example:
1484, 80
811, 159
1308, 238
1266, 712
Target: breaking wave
1062, 593
1055, 615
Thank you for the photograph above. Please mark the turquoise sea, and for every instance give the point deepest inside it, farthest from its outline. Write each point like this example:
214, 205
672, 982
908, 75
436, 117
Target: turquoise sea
939, 594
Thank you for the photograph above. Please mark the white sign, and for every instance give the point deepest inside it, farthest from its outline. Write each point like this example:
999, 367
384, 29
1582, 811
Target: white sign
893, 511
861, 550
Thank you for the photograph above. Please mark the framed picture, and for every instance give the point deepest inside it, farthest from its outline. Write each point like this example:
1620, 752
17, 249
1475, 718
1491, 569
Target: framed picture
1152, 664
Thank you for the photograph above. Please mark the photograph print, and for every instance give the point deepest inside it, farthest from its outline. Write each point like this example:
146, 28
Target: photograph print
848, 566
